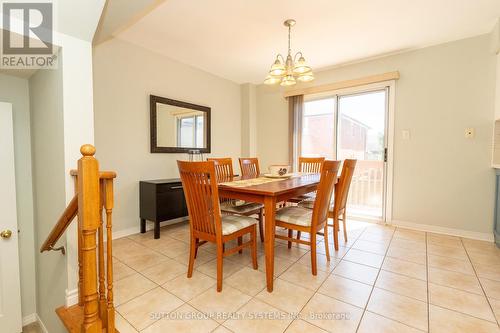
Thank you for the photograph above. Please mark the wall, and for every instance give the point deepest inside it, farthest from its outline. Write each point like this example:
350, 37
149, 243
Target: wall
124, 77
441, 179
15, 90
61, 122
248, 120
47, 139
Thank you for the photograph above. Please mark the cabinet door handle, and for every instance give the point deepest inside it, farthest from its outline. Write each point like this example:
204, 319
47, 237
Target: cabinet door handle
176, 187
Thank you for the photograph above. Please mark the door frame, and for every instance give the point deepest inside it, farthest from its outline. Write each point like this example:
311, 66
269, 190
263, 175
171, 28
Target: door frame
14, 312
390, 88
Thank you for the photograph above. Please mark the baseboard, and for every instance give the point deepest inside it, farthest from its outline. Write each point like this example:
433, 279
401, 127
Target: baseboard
149, 226
42, 325
71, 297
484, 236
29, 319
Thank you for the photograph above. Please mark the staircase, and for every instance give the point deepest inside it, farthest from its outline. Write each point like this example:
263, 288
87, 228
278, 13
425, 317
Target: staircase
93, 204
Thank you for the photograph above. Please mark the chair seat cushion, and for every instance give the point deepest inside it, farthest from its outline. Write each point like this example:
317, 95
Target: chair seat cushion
300, 198
309, 203
237, 207
233, 223
295, 215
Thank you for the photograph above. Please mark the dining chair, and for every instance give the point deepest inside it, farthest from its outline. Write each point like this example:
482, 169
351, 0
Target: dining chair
312, 165
206, 223
339, 202
249, 167
311, 220
224, 173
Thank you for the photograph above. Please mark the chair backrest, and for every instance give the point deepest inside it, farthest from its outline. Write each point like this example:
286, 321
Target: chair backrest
310, 164
223, 169
342, 188
202, 196
329, 173
249, 167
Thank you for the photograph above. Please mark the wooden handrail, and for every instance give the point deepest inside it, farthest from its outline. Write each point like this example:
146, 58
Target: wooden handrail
102, 174
62, 224
93, 204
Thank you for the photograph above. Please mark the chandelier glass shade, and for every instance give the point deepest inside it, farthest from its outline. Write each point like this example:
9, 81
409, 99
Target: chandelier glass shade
288, 71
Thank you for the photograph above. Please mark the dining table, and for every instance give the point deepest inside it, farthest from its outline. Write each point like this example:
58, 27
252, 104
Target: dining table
269, 192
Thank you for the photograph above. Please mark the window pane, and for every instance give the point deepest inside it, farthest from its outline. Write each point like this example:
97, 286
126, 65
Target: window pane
318, 128
186, 130
199, 132
361, 136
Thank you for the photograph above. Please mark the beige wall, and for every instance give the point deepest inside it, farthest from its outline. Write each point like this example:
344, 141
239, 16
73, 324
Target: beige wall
15, 90
47, 139
440, 178
248, 120
124, 77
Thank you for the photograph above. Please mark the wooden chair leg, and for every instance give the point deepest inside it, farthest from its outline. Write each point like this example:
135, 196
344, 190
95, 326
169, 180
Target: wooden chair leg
290, 235
314, 264
192, 256
254, 248
345, 229
298, 235
325, 240
336, 232
197, 244
220, 258
240, 241
261, 227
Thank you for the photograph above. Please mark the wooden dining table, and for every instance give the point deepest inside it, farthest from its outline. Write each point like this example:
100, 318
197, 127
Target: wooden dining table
270, 194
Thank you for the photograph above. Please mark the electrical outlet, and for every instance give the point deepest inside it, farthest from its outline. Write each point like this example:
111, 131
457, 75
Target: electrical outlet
469, 133
406, 134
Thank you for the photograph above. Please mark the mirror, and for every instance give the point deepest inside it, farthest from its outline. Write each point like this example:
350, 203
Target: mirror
178, 127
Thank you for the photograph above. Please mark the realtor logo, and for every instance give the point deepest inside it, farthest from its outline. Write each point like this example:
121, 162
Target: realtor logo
27, 35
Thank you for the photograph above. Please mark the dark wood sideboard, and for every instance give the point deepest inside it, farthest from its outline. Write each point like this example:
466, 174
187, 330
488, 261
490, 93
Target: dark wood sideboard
161, 200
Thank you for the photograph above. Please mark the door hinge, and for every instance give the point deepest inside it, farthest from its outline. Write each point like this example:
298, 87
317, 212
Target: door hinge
385, 154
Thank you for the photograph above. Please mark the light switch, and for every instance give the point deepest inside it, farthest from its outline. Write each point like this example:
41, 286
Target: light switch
406, 134
469, 133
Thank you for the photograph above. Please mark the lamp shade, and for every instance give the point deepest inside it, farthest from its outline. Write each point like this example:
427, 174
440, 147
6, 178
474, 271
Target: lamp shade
288, 80
277, 68
271, 79
301, 67
306, 77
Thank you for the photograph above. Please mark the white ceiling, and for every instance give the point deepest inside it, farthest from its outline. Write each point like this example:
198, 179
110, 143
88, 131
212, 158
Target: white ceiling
238, 39
119, 14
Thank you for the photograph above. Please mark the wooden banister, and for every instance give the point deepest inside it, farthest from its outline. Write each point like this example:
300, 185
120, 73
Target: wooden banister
62, 224
93, 204
102, 174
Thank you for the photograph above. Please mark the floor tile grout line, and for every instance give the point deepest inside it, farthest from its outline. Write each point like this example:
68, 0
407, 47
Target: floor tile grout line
251, 297
374, 282
396, 320
480, 284
316, 290
466, 314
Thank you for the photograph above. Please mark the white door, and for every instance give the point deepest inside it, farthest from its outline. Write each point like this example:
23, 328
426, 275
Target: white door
10, 292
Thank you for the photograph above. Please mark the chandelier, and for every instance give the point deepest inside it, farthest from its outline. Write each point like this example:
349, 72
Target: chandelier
288, 72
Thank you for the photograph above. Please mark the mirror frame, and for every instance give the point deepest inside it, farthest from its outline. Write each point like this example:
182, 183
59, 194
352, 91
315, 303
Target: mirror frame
153, 125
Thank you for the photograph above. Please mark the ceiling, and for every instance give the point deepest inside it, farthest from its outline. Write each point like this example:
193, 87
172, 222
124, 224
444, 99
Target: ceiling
238, 39
119, 14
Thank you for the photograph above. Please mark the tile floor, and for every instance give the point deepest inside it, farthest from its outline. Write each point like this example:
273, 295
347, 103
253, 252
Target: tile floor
382, 280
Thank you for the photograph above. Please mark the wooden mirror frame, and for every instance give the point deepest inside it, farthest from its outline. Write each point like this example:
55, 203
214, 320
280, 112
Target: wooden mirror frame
153, 125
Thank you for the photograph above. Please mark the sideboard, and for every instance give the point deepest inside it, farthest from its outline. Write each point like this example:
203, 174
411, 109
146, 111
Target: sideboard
161, 200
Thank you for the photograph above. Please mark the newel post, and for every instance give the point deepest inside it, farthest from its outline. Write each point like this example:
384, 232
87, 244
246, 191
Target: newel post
89, 215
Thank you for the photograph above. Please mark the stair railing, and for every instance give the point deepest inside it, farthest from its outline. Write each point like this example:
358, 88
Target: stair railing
93, 204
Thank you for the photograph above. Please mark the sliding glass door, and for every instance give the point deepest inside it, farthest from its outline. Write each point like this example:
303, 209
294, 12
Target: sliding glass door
352, 126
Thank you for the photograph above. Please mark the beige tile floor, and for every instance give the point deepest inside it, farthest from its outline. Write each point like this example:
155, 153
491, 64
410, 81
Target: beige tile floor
382, 280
